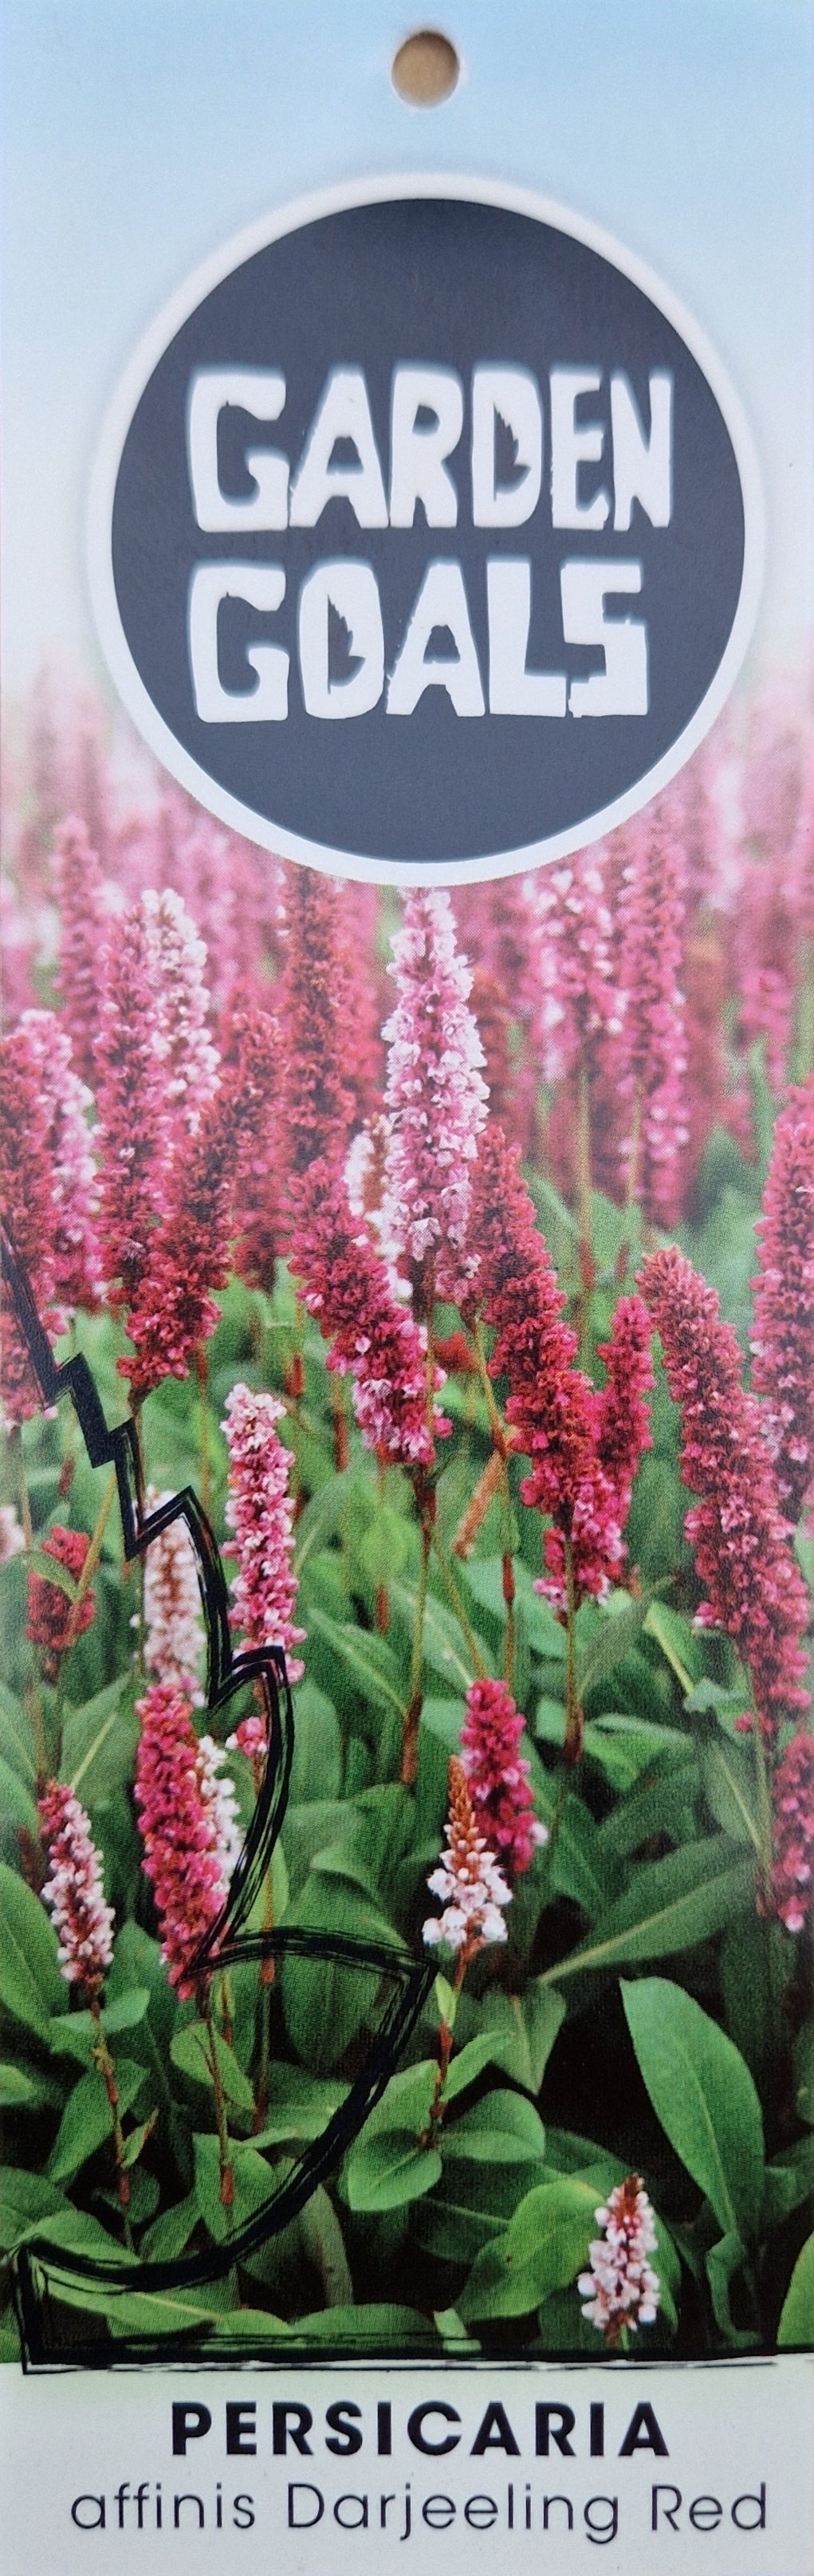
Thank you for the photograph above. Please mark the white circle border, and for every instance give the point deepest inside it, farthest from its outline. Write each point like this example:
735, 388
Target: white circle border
150, 724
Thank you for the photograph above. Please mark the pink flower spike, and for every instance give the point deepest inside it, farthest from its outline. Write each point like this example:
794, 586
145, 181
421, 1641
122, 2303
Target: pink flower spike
793, 1832
316, 1040
83, 930
182, 1829
250, 1739
497, 1776
49, 1610
754, 1590
468, 1878
27, 1201
436, 1095
783, 1339
621, 2289
12, 1534
73, 1890
579, 1005
551, 1405
173, 1311
173, 1625
654, 1047
623, 1422
74, 1178
131, 1100
348, 1287
179, 961
260, 1512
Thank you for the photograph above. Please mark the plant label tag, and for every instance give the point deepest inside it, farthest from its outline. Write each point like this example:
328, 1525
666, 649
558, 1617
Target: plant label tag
407, 1210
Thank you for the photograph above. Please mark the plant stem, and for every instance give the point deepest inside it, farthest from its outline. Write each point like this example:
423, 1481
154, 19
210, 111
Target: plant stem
478, 1665
102, 2058
764, 1808
508, 1596
227, 2179
266, 1983
16, 1440
412, 1713
445, 2033
91, 1560
502, 1443
500, 1436
33, 1696
340, 1424
201, 1372
572, 1742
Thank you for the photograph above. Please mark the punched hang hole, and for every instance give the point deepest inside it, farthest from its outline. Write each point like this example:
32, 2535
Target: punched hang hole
426, 68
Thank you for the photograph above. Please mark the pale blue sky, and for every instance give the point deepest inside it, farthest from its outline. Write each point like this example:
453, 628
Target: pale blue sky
141, 133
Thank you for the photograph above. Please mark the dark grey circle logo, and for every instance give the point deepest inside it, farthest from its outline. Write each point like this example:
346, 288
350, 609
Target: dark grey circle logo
425, 533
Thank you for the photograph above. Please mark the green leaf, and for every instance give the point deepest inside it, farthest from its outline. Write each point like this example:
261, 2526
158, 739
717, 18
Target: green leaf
322, 1518
543, 2248
368, 1663
316, 1770
325, 2002
24, 2088
724, 2262
15, 1734
323, 2246
804, 2073
746, 1978
526, 2026
797, 2314
299, 2106
661, 1804
445, 1650
87, 1729
484, 1577
189, 2051
254, 2185
99, 1743
31, 1987
38, 1561
320, 1825
472, 2204
162, 2312
385, 1546
703, 2094
669, 1905
27, 2200
488, 2049
369, 2327
386, 2166
170, 2231
789, 2182
17, 1805
73, 2231
386, 2172
74, 2034
255, 2326
618, 1627
574, 1870
136, 2142
728, 1775
85, 2123
679, 1644
503, 2129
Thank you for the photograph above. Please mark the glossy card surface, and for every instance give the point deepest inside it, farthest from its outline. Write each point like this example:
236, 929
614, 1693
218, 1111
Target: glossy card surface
407, 1198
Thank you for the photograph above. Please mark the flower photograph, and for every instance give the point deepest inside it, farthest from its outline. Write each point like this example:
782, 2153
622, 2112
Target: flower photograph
454, 1250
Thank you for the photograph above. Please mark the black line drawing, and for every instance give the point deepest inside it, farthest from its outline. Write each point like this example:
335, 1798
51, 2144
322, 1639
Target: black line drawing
40, 2266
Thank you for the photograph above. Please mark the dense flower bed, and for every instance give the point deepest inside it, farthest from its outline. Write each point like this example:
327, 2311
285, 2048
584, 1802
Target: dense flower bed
459, 1251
